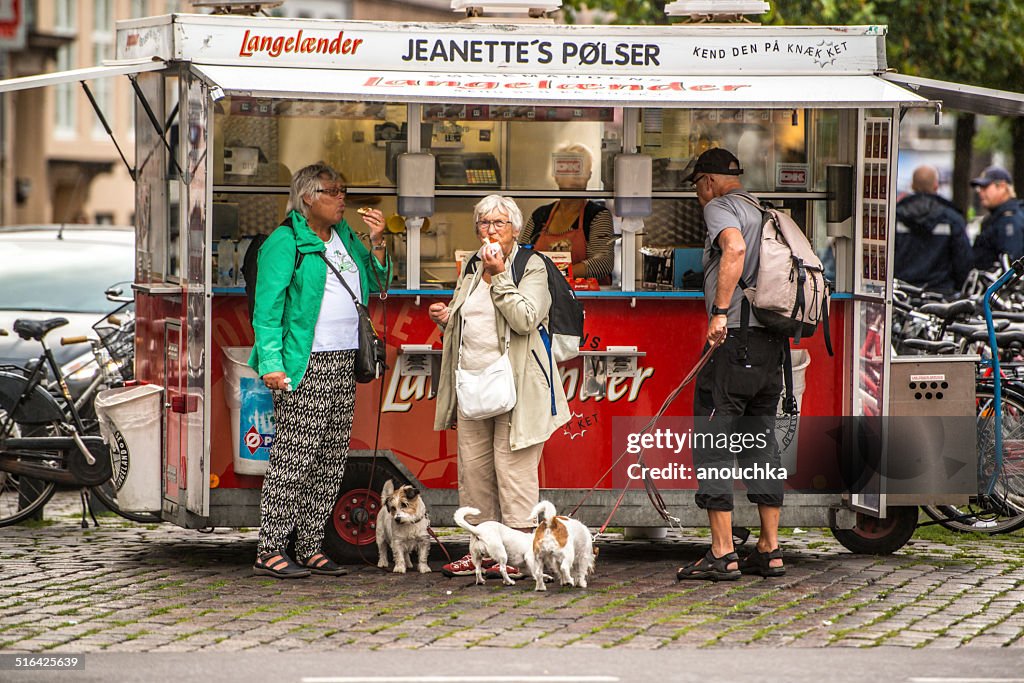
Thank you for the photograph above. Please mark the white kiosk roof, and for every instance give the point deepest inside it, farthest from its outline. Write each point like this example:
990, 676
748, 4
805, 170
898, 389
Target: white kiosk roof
592, 90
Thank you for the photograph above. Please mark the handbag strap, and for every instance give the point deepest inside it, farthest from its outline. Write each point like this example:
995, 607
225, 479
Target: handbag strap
462, 329
341, 279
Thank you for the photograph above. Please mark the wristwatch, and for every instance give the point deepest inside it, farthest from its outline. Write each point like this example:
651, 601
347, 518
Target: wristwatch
715, 310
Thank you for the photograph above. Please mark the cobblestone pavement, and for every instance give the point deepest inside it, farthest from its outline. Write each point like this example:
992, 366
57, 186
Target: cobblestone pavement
125, 587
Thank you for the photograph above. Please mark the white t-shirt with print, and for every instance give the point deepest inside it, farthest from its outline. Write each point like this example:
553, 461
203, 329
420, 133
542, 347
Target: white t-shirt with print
338, 324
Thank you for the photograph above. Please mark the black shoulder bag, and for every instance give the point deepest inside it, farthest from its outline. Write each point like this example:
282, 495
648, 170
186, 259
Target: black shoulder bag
371, 357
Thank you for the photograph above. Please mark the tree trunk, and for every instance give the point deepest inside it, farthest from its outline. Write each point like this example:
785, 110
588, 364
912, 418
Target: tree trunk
965, 127
1018, 155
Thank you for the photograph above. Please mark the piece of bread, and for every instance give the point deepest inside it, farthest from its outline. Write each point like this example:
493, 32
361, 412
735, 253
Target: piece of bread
363, 210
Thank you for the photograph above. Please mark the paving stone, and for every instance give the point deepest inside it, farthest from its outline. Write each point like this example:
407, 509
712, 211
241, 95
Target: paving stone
168, 590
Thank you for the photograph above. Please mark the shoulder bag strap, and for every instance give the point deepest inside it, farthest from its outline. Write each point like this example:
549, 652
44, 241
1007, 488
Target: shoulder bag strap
462, 329
341, 279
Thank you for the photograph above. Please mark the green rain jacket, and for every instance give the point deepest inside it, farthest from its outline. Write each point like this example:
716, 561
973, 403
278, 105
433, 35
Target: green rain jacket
288, 299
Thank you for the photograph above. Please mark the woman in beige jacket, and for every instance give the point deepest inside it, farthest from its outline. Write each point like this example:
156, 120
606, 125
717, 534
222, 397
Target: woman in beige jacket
499, 456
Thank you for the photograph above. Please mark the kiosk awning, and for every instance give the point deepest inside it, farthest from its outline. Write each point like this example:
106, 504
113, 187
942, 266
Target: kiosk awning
740, 91
76, 75
970, 98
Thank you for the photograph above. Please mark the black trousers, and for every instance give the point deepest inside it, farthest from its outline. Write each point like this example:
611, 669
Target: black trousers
736, 399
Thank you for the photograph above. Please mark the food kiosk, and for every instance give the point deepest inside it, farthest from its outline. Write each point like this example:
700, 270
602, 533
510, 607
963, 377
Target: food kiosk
229, 106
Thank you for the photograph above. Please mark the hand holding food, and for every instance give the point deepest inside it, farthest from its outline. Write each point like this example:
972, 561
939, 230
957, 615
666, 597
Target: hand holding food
374, 219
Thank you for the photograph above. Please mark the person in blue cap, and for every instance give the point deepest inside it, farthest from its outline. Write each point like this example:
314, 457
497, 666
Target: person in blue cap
1002, 230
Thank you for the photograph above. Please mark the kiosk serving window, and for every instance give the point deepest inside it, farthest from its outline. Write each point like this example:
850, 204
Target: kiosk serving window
770, 144
261, 142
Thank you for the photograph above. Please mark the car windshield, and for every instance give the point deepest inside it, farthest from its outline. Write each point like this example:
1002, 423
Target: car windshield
46, 274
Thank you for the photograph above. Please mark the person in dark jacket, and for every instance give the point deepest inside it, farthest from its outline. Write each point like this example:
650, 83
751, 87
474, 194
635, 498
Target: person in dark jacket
932, 249
1002, 231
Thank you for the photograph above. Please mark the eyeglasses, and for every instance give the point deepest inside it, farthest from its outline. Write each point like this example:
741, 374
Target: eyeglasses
497, 225
333, 191
696, 181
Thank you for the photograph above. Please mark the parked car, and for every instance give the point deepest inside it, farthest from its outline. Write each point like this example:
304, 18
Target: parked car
49, 271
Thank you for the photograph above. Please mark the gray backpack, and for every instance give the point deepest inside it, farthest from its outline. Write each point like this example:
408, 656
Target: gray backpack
791, 293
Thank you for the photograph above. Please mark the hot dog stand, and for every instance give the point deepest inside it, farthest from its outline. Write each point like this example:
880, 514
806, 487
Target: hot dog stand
229, 106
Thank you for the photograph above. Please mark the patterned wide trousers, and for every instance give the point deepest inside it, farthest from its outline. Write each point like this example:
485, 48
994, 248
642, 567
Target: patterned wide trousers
307, 459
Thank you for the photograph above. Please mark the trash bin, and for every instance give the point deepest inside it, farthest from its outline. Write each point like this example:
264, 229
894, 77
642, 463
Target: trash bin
129, 420
787, 427
252, 412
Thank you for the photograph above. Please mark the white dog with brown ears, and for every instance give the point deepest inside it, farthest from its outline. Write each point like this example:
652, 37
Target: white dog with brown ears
562, 543
402, 526
495, 540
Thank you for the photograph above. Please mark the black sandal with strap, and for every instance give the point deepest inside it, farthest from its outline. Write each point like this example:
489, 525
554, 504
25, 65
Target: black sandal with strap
278, 565
711, 568
758, 562
321, 564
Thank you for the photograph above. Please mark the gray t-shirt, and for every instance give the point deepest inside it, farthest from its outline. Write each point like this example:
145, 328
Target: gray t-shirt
730, 211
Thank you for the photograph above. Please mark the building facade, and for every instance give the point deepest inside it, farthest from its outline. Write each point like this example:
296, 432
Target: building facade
57, 163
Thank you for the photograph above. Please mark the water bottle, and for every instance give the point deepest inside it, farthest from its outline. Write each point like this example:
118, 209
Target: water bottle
241, 247
226, 261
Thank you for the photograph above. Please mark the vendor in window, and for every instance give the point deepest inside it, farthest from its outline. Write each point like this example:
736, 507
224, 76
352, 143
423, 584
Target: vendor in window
575, 225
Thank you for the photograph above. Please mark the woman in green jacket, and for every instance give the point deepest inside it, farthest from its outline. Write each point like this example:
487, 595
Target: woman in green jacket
306, 326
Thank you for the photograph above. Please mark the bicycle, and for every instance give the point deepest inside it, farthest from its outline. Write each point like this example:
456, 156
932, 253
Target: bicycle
49, 438
999, 504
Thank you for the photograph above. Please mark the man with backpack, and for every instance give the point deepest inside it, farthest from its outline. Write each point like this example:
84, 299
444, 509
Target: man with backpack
738, 389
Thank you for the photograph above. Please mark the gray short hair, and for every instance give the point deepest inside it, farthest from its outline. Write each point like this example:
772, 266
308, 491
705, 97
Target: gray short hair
307, 181
496, 202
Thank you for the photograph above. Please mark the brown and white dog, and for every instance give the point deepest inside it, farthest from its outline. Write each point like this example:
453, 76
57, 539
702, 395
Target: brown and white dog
563, 544
402, 526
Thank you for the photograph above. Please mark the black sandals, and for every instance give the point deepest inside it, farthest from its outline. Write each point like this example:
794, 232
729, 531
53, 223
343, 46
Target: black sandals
278, 565
758, 562
711, 568
321, 564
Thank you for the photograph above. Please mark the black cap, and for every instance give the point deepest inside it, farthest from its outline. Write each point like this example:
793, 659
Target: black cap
716, 160
992, 174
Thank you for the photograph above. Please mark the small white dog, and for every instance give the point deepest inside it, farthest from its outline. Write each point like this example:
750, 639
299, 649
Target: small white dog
502, 543
562, 543
402, 526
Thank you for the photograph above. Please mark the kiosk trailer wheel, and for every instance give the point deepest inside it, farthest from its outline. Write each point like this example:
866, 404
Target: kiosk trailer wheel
351, 532
874, 536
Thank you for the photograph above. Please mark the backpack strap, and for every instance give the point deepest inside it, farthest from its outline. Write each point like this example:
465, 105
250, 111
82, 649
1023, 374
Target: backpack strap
789, 403
287, 223
800, 304
519, 263
518, 269
744, 320
824, 318
741, 283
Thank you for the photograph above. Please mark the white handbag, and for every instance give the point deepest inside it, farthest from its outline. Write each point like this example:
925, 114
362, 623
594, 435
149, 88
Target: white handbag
488, 392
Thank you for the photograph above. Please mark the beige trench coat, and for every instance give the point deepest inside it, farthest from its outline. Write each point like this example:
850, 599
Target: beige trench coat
522, 308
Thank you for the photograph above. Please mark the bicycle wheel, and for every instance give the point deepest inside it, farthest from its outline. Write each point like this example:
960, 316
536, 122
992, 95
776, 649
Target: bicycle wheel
21, 497
1001, 511
107, 494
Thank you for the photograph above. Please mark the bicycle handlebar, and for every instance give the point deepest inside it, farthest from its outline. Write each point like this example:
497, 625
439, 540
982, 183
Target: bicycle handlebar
67, 341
